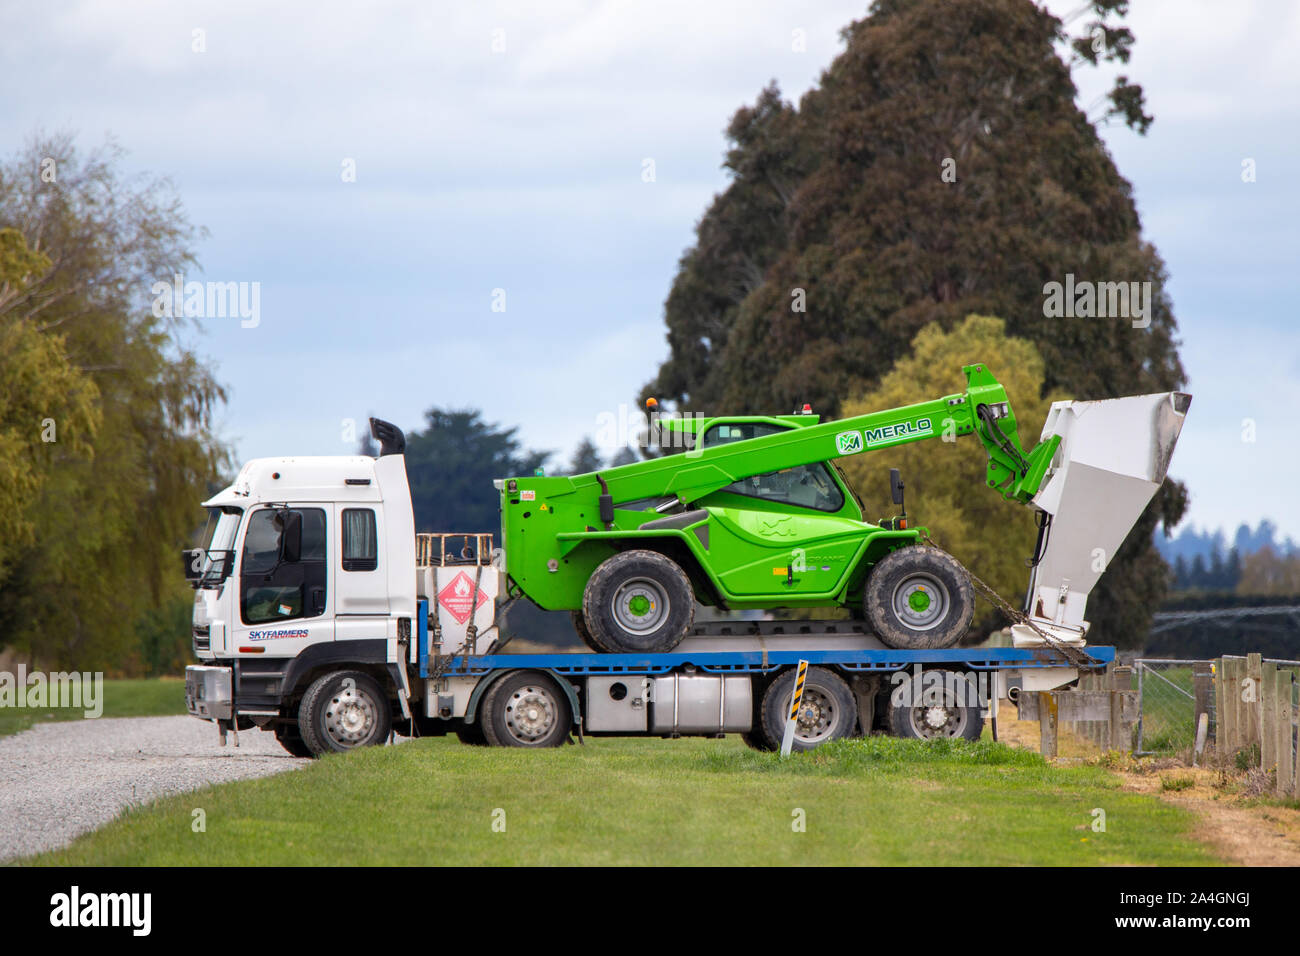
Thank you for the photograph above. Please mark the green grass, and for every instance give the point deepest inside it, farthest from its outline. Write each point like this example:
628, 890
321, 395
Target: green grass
145, 697
638, 801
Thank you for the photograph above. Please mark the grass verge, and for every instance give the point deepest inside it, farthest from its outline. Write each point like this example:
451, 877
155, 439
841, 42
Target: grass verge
636, 801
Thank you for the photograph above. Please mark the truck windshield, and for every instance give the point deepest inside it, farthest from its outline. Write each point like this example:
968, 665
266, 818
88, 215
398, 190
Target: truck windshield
218, 545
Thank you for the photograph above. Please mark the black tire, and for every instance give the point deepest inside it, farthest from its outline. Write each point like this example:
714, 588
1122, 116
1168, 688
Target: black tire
292, 741
638, 602
343, 711
755, 740
919, 598
471, 735
525, 709
936, 709
828, 711
584, 632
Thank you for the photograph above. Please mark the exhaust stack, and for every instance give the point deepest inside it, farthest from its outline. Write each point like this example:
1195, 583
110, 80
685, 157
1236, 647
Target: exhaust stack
1113, 456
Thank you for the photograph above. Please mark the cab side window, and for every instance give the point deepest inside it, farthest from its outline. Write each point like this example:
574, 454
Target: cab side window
806, 486
360, 540
274, 586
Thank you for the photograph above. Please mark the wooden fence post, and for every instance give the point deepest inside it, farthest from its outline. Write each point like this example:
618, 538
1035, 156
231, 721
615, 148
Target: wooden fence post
1254, 707
1229, 715
1284, 713
1047, 722
1220, 711
1269, 716
1202, 690
1121, 678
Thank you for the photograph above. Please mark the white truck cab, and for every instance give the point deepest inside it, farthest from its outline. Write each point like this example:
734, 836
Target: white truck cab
307, 562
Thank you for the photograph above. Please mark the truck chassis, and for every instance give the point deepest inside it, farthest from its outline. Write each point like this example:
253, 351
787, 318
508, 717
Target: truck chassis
725, 677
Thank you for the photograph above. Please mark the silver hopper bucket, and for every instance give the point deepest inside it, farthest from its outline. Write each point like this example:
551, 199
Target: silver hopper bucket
1113, 456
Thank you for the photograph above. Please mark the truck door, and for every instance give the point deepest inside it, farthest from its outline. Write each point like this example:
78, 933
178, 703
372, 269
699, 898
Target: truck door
361, 604
285, 599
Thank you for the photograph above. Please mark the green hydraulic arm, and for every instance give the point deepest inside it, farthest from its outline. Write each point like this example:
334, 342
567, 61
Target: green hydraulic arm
982, 410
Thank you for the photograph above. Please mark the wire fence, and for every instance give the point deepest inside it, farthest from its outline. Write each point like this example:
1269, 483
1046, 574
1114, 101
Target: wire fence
1168, 692
1171, 695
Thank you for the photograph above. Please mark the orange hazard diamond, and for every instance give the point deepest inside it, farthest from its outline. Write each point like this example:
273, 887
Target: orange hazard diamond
459, 599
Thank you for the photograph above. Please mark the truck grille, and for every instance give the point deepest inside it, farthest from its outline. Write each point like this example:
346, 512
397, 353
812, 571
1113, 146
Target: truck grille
202, 638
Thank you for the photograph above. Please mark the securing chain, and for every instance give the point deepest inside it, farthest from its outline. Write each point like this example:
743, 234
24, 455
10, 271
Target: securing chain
1072, 654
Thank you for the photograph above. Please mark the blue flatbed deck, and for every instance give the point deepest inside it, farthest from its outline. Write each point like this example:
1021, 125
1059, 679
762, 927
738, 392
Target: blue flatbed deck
756, 661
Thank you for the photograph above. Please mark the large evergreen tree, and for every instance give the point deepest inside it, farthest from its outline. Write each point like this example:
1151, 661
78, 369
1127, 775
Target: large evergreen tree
940, 168
451, 464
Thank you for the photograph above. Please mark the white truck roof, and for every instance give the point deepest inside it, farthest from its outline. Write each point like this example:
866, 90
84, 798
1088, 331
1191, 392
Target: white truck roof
306, 478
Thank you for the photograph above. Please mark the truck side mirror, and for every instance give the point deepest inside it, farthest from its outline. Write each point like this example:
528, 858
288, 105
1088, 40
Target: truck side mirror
290, 523
193, 560
896, 485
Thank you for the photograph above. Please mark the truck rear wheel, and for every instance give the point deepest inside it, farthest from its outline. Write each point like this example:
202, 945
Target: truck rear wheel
941, 703
638, 602
828, 710
919, 598
525, 709
343, 711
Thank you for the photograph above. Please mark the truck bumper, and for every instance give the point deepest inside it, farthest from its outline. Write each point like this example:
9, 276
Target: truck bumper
208, 692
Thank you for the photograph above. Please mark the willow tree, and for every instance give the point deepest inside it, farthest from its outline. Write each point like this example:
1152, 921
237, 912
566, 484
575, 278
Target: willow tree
117, 500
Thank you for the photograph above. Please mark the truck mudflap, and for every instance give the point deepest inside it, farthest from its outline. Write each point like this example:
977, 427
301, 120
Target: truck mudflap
1113, 456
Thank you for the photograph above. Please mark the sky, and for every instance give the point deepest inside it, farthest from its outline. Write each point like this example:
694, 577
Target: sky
388, 173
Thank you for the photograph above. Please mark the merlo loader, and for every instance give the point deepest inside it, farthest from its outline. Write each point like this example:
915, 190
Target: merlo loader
755, 513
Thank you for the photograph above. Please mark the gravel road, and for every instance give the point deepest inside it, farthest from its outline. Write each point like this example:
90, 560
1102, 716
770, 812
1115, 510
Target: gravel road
59, 780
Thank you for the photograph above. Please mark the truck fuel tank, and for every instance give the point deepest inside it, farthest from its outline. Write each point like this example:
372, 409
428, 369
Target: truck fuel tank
701, 704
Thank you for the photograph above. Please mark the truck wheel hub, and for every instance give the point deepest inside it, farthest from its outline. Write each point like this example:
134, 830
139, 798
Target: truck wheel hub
936, 718
350, 717
640, 605
530, 714
815, 715
920, 601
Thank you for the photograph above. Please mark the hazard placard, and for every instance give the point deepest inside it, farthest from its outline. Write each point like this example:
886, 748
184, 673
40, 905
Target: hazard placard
458, 597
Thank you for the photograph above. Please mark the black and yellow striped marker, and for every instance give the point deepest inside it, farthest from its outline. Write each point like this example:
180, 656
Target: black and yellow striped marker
800, 676
796, 698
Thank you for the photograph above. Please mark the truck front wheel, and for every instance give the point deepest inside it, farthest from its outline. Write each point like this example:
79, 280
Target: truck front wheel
525, 709
638, 602
343, 711
919, 598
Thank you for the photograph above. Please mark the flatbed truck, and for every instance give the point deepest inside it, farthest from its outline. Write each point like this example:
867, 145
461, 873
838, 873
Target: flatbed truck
320, 615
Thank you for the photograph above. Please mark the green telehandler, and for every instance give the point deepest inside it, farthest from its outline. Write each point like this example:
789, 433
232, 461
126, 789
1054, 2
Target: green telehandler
755, 513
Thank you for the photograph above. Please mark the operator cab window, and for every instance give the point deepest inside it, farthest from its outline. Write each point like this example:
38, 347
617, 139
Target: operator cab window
805, 486
274, 588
